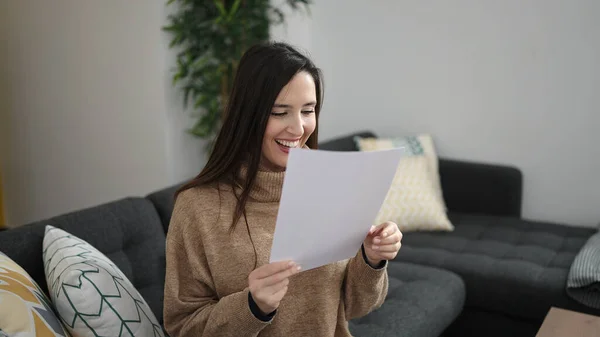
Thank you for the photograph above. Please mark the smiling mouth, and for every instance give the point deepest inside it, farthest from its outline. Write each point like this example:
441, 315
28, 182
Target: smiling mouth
288, 144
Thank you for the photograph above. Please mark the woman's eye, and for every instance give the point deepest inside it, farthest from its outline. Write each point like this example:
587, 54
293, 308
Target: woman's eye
277, 113
308, 111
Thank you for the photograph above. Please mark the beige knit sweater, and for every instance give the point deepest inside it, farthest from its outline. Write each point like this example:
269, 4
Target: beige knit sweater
206, 289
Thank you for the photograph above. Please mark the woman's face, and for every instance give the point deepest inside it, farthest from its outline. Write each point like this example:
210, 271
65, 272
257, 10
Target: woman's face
292, 121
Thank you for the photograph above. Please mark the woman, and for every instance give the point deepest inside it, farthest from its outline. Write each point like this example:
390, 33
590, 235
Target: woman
218, 279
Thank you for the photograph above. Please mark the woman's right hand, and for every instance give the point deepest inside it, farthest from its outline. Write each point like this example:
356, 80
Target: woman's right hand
269, 283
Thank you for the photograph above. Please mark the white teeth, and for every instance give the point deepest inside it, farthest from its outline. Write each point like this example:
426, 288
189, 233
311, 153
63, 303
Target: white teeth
288, 144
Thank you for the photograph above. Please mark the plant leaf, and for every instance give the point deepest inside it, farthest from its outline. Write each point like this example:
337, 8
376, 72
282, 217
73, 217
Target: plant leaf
220, 7
234, 9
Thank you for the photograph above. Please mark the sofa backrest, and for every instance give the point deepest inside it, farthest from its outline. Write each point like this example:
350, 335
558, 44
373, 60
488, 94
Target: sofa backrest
345, 143
128, 231
164, 201
468, 187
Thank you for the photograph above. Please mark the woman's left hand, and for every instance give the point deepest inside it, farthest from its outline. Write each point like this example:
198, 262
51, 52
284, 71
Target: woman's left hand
383, 243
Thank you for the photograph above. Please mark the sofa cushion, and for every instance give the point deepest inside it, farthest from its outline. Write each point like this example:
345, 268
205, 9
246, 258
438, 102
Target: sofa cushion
91, 294
421, 302
128, 231
417, 145
414, 200
24, 308
583, 281
509, 265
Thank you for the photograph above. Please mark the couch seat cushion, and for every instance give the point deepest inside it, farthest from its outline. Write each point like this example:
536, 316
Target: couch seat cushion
509, 265
421, 301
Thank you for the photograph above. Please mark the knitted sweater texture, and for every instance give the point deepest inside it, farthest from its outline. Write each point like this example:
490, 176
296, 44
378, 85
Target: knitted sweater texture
206, 286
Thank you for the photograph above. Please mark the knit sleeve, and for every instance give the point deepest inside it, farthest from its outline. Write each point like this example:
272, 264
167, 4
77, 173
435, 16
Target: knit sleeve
365, 287
191, 304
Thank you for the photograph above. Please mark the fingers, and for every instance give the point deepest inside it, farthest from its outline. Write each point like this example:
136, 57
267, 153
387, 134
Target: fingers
389, 240
269, 283
387, 256
268, 299
384, 229
273, 268
388, 248
279, 294
277, 287
389, 228
376, 230
280, 276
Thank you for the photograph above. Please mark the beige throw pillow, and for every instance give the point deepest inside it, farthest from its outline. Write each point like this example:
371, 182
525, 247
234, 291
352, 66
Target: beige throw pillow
415, 199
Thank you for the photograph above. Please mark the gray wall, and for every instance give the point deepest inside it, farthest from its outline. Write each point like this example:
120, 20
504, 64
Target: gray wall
89, 114
85, 100
515, 82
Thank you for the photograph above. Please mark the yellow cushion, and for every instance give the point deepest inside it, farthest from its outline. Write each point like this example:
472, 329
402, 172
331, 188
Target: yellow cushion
25, 311
415, 199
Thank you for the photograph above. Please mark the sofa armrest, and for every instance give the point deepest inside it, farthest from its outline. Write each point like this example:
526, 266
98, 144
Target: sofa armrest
481, 188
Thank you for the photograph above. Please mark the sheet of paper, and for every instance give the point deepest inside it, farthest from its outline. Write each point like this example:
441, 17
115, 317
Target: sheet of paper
329, 202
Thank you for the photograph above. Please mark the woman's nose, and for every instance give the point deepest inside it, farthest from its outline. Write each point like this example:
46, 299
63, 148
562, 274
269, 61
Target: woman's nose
296, 126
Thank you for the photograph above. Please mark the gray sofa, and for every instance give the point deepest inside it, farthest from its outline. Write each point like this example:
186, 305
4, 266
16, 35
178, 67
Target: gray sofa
495, 275
514, 269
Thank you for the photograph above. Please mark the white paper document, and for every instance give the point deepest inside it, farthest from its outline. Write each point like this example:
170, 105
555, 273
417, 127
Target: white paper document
329, 202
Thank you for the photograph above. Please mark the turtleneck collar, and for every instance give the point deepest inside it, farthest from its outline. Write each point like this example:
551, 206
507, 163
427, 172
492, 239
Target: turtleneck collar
267, 185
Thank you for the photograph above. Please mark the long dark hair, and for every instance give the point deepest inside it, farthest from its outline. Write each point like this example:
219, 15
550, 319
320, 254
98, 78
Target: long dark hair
263, 71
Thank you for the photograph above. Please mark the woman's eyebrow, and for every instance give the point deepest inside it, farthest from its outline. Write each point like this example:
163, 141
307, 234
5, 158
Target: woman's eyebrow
276, 105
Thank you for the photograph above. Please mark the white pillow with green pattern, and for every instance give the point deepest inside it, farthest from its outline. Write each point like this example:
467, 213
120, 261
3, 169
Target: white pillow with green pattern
91, 294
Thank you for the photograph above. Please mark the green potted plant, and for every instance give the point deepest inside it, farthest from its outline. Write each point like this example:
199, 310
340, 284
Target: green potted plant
210, 37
